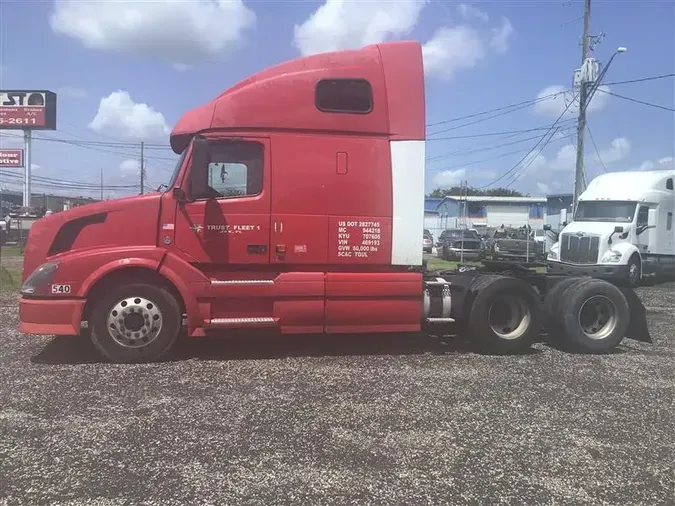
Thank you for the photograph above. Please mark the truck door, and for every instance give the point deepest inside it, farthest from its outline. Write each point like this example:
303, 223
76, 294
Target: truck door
234, 226
643, 229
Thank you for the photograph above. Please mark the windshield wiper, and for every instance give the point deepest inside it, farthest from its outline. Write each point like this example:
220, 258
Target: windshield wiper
159, 188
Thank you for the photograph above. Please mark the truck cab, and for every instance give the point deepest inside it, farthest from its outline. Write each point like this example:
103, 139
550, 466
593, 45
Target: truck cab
622, 229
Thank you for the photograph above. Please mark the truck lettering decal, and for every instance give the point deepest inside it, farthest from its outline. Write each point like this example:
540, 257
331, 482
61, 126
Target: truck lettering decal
232, 229
358, 239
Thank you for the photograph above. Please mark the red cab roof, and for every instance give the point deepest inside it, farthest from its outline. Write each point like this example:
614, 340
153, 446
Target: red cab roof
282, 97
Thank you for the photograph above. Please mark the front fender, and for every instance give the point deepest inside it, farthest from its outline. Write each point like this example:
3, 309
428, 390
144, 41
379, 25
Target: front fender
627, 250
115, 265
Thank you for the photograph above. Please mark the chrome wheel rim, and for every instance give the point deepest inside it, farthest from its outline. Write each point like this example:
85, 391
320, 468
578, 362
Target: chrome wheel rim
509, 317
598, 317
633, 272
134, 322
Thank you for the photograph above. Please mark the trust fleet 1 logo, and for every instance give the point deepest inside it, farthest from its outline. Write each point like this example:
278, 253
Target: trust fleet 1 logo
197, 228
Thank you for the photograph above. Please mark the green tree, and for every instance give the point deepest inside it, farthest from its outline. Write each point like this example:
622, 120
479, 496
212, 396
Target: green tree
457, 191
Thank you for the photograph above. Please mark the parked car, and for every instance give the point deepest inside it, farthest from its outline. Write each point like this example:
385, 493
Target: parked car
428, 241
517, 244
458, 244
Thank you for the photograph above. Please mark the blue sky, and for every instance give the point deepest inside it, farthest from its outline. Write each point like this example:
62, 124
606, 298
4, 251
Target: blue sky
126, 71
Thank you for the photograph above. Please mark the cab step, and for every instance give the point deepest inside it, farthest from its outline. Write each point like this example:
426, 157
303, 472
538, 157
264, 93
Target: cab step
256, 321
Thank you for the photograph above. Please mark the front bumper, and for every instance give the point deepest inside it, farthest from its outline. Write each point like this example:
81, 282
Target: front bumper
54, 317
607, 272
471, 254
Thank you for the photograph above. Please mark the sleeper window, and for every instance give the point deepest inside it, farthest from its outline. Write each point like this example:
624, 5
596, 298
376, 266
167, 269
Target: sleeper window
669, 221
344, 95
643, 216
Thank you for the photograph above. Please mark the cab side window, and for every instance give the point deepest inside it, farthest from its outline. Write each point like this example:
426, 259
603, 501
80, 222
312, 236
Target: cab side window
643, 216
236, 168
669, 221
669, 183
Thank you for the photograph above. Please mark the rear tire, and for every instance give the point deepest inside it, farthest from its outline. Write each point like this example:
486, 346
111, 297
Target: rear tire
135, 323
552, 309
505, 314
593, 317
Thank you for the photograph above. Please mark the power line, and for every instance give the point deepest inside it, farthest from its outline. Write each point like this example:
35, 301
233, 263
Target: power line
478, 149
494, 134
490, 159
526, 102
657, 106
533, 147
595, 146
517, 175
503, 113
653, 78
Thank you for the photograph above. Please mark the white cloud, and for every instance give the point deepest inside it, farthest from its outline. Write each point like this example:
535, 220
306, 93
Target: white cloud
566, 158
470, 12
554, 99
543, 188
665, 163
72, 91
342, 24
11, 139
130, 168
178, 31
452, 49
120, 116
619, 150
449, 178
500, 36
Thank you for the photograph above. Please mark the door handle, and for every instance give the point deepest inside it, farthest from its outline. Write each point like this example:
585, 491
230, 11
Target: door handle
275, 226
281, 227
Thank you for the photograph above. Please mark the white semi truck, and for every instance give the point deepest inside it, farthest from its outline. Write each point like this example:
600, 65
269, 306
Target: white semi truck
622, 229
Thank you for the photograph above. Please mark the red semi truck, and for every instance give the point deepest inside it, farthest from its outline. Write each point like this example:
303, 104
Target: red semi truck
296, 204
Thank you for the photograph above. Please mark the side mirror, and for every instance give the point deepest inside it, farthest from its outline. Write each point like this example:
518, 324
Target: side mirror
179, 195
547, 227
618, 230
198, 183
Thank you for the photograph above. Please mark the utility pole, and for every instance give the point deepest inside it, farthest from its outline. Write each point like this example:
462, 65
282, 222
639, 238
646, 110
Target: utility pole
142, 167
581, 124
101, 185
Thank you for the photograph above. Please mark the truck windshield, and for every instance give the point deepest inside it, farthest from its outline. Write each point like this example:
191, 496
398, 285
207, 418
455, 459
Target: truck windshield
606, 210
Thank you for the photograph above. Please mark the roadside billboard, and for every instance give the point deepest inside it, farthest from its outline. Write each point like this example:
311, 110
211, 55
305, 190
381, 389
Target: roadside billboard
11, 158
27, 110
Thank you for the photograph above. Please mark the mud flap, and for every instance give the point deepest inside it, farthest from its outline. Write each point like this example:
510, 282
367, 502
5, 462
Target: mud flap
637, 328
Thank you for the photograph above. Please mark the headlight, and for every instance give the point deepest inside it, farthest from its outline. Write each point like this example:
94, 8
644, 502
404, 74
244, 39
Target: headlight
39, 280
496, 248
611, 257
552, 255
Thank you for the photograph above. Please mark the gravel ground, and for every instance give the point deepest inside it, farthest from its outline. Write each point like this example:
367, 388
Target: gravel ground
348, 420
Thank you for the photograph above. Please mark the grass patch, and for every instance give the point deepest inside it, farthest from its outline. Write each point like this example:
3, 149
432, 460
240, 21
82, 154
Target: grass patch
10, 279
435, 263
10, 251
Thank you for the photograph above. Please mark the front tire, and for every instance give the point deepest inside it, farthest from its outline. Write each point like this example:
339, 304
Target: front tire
634, 274
135, 323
